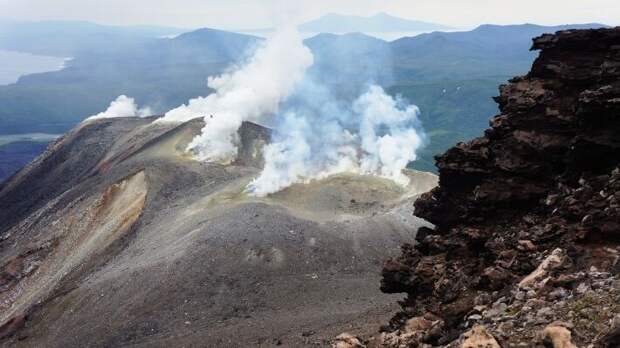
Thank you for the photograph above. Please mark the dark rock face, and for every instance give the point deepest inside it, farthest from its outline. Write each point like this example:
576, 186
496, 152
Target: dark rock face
252, 139
544, 176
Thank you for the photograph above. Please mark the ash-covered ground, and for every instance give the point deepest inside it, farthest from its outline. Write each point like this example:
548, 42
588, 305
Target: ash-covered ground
115, 236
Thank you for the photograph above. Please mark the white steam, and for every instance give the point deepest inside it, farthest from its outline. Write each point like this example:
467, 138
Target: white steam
379, 136
250, 93
316, 135
387, 154
305, 151
123, 106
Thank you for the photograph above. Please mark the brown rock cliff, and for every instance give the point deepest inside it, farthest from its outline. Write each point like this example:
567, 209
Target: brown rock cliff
541, 186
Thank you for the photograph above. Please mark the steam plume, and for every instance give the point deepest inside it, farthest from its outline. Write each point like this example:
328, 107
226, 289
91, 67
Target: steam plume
316, 135
378, 135
387, 154
123, 106
250, 93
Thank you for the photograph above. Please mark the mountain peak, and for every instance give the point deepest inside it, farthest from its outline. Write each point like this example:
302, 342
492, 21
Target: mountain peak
380, 22
384, 15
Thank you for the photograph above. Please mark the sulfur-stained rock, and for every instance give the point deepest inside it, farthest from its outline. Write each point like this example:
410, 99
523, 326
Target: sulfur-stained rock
479, 337
346, 340
559, 336
416, 332
551, 262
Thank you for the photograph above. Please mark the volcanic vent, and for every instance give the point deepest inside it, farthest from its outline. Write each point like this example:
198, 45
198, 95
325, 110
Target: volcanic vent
116, 236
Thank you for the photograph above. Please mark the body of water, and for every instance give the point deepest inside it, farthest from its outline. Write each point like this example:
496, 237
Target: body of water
16, 64
27, 137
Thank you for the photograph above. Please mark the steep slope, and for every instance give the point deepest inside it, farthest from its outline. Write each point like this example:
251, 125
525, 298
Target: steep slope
527, 216
115, 236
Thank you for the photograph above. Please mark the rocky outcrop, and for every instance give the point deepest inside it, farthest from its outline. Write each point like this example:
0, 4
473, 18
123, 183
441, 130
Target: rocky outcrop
252, 139
527, 216
346, 340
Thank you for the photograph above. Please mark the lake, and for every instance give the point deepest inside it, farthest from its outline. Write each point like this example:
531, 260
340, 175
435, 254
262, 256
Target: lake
15, 64
27, 137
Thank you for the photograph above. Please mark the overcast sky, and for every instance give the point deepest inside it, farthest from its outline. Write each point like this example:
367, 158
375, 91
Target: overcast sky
246, 14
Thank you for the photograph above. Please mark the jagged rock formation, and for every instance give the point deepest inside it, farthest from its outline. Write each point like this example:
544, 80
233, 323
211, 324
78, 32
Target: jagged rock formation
527, 216
116, 236
253, 138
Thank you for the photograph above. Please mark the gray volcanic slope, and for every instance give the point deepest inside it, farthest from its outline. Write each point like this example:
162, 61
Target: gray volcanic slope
116, 237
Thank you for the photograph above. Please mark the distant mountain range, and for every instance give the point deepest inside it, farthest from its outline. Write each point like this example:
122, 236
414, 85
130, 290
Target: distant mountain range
379, 23
68, 38
451, 76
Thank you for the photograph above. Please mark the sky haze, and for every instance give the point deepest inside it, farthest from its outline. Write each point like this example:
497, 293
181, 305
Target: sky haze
245, 14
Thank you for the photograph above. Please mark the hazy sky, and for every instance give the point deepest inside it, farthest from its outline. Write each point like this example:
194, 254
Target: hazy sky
245, 14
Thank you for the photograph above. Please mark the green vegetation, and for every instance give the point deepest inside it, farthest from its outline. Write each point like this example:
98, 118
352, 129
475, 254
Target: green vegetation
451, 112
450, 76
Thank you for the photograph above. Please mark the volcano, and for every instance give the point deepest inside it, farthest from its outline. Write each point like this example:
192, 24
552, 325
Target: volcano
117, 236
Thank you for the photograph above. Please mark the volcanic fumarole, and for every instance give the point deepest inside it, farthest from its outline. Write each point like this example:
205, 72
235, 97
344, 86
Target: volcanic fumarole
316, 134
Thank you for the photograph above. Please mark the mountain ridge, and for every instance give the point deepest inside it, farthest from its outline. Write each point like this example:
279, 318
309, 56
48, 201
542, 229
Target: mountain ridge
381, 22
67, 39
450, 76
115, 216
